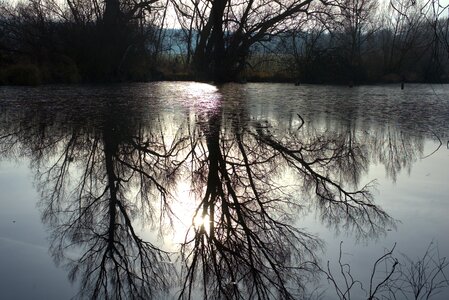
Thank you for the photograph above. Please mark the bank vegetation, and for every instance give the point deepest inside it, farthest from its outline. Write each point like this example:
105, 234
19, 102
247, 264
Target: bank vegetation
325, 41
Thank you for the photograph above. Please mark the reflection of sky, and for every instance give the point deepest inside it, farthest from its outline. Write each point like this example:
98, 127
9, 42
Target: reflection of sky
201, 97
418, 200
27, 270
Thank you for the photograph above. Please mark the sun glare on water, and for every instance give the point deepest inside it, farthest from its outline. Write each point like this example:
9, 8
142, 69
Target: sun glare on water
188, 218
200, 222
201, 96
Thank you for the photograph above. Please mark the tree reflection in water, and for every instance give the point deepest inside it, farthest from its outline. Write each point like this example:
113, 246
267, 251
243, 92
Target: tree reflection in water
88, 166
252, 247
102, 173
90, 210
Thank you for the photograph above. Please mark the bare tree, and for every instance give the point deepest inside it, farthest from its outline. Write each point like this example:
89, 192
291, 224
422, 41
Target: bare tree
104, 41
97, 172
354, 26
101, 169
248, 244
404, 38
392, 278
228, 29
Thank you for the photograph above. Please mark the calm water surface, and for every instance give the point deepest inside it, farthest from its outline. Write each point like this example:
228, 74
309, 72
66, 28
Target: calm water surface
141, 189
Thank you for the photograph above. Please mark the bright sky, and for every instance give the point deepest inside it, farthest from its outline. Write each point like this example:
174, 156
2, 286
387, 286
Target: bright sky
171, 20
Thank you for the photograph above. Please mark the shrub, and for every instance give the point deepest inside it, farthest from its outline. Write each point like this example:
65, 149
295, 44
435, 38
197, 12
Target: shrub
22, 74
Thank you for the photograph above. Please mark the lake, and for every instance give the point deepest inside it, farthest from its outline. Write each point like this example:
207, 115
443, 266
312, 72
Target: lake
269, 191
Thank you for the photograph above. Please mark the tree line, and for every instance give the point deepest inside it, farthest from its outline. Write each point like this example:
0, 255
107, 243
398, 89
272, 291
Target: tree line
331, 41
366, 41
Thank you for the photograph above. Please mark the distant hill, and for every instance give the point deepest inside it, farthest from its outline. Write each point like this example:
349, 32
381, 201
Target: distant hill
175, 42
